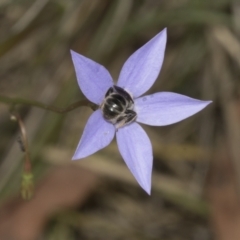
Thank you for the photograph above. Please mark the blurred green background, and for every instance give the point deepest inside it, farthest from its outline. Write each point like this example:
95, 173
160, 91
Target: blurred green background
196, 176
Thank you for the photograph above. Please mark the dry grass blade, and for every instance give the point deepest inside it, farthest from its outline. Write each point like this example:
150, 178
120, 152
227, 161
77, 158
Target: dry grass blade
29, 16
228, 41
170, 188
228, 102
36, 64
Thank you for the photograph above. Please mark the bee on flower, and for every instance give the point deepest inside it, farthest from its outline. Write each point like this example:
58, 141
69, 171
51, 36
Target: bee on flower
122, 107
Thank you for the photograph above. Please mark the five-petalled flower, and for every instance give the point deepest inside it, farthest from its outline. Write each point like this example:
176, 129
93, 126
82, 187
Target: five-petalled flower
160, 109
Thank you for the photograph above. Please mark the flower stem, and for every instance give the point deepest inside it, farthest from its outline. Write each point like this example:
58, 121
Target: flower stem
27, 184
21, 101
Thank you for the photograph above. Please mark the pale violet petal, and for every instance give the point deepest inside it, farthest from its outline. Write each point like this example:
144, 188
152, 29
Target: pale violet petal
93, 79
97, 134
136, 150
166, 108
142, 68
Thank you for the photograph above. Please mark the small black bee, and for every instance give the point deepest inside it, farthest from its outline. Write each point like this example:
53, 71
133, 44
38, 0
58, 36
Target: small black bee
118, 106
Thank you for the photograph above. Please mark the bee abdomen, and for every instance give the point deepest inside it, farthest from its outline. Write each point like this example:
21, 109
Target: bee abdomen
114, 105
118, 106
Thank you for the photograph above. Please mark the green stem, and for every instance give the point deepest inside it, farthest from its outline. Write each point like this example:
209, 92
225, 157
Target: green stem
21, 101
27, 185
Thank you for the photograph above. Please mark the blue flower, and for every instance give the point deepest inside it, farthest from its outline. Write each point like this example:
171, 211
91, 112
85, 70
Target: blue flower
122, 107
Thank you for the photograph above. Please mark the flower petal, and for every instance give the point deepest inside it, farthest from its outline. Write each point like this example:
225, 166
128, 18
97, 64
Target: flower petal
166, 108
136, 150
97, 134
93, 79
142, 68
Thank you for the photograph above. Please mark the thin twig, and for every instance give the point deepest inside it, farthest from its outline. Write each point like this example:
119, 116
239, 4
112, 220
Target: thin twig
27, 187
21, 101
24, 141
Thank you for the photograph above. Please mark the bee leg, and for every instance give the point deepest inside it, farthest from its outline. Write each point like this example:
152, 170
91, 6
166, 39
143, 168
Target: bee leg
128, 117
120, 122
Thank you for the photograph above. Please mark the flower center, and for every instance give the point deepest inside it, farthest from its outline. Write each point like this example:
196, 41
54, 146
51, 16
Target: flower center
118, 107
